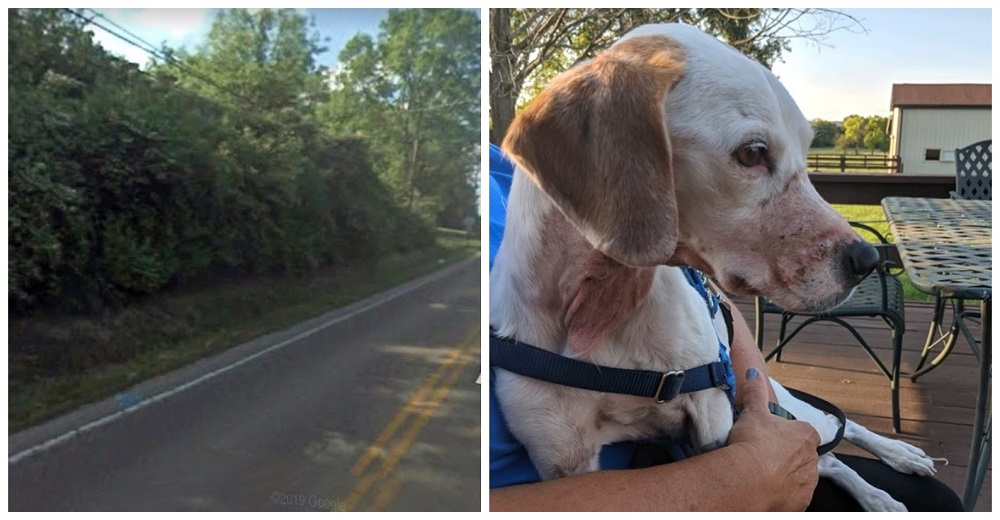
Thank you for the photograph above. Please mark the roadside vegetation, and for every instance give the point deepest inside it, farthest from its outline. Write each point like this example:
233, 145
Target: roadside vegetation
79, 359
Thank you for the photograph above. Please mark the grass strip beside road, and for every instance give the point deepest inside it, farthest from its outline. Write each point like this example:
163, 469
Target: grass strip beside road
114, 351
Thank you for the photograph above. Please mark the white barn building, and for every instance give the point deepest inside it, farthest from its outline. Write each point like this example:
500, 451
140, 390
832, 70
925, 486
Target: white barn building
929, 121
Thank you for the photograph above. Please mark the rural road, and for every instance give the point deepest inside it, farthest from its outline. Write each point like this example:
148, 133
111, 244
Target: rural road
370, 407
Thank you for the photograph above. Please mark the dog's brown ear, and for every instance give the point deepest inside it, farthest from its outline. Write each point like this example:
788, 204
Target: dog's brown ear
596, 141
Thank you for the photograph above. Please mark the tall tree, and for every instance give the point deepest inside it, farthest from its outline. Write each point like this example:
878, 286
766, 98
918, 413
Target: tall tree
529, 46
414, 89
854, 133
263, 59
825, 133
876, 136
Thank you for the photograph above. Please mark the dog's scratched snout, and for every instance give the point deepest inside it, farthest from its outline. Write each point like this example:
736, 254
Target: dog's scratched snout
861, 258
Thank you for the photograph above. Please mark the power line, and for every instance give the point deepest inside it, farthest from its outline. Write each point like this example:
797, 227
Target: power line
151, 50
156, 53
149, 46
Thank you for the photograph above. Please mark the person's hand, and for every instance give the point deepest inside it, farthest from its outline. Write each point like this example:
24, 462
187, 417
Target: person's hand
783, 451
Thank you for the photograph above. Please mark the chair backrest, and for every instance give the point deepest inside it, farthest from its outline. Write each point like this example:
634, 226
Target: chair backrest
974, 171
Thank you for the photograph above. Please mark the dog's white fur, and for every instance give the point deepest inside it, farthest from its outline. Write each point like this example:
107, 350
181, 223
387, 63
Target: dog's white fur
626, 167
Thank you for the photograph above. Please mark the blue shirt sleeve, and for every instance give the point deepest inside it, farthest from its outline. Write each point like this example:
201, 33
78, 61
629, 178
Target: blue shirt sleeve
509, 462
501, 176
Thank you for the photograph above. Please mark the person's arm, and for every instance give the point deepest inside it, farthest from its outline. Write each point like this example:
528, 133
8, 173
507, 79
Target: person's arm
744, 353
768, 464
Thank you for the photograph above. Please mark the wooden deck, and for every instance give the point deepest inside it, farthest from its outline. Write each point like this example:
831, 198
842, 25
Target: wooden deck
936, 411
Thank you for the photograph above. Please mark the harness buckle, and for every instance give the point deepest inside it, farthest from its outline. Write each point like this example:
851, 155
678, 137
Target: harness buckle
670, 382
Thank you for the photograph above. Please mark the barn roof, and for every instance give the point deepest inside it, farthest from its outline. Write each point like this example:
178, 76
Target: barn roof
942, 95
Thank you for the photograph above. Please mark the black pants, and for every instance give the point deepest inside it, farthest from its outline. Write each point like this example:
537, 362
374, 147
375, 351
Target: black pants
916, 493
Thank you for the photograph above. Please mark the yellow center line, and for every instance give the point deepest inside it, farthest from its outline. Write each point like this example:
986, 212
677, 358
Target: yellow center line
386, 494
400, 448
375, 447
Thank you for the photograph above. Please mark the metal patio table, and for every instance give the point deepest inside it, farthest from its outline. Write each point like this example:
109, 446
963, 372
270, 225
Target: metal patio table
946, 247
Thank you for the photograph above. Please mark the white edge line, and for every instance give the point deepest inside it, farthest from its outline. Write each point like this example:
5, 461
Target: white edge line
391, 295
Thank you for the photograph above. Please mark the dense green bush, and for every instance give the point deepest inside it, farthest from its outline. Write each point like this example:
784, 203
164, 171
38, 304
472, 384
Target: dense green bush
123, 182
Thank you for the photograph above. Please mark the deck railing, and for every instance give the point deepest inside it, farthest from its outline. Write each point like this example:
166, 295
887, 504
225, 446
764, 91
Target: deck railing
871, 188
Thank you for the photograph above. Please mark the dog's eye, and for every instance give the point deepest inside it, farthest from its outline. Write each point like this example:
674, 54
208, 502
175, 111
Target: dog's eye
752, 154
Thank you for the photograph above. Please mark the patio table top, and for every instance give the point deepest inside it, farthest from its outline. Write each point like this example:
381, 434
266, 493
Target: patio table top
946, 245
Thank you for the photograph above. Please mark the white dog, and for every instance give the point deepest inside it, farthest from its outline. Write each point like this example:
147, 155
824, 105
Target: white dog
668, 149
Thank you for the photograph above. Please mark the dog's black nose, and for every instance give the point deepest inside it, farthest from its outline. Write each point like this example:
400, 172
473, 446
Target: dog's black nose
861, 258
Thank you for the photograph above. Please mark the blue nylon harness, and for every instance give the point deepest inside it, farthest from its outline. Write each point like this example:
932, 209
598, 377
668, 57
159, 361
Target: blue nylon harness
530, 361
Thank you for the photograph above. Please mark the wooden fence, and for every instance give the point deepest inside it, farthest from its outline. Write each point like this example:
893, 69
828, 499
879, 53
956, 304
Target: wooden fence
853, 163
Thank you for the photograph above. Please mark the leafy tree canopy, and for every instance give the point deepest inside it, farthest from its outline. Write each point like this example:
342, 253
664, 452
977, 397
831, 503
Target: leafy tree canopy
414, 90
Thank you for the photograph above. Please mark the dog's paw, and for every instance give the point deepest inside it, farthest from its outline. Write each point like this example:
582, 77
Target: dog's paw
906, 458
876, 500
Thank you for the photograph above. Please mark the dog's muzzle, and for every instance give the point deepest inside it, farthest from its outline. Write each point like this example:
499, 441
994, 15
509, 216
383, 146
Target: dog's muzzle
859, 259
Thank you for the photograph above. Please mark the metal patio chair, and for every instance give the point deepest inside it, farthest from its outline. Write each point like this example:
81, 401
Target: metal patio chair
974, 171
973, 181
879, 295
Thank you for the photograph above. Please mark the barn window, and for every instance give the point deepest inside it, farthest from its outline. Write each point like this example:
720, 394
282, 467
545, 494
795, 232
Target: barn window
948, 156
932, 154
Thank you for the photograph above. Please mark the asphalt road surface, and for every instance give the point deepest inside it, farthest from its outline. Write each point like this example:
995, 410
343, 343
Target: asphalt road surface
371, 407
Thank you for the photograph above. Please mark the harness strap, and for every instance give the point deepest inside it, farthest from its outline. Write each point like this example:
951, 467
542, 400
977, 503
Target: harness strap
727, 315
713, 299
530, 361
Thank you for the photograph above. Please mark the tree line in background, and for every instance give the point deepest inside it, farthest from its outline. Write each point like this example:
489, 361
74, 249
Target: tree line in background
241, 156
855, 132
